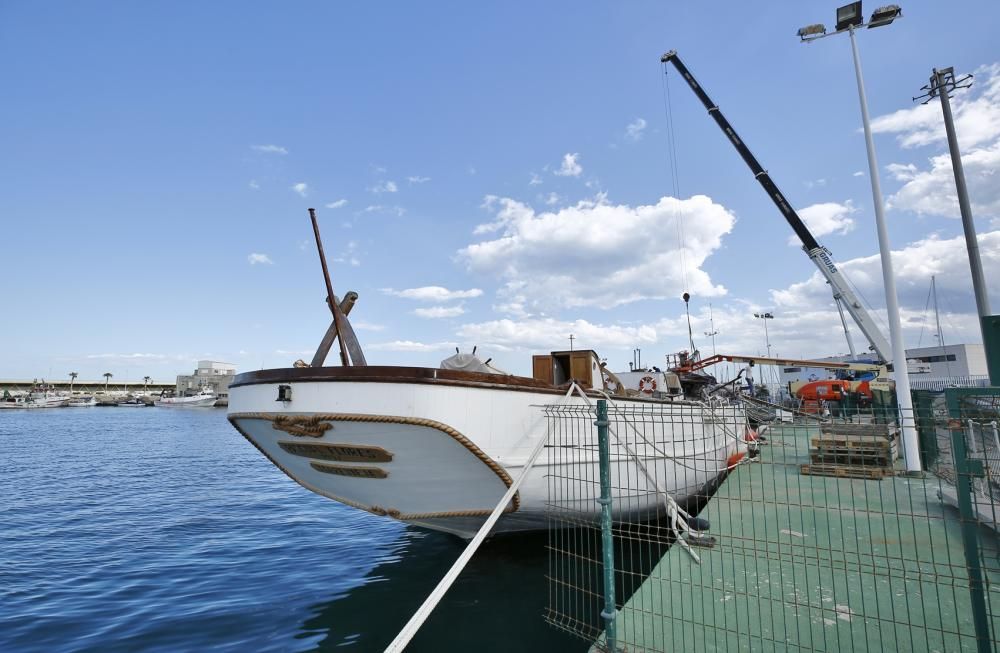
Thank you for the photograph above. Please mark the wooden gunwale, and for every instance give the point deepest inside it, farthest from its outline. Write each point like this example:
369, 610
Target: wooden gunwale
417, 375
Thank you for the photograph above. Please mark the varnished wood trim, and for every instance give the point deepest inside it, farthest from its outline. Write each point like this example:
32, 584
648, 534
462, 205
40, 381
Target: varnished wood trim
379, 510
344, 453
349, 471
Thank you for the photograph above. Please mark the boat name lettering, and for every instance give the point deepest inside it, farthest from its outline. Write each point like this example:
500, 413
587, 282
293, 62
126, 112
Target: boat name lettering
349, 453
354, 472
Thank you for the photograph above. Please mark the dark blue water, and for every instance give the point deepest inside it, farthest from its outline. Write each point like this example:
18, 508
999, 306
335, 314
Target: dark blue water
154, 529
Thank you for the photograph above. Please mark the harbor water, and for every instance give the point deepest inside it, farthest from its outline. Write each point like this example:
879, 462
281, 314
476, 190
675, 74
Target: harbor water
163, 530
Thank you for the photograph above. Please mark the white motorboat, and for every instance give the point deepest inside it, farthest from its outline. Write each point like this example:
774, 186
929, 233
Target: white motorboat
82, 402
205, 398
40, 396
134, 402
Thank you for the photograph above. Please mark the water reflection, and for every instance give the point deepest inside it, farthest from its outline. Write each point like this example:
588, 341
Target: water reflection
497, 604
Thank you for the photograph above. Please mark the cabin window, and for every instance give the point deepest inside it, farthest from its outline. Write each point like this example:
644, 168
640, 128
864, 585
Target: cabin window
821, 389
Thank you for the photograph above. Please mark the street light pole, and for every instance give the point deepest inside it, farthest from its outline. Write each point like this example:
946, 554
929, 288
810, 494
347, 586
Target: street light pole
848, 18
900, 374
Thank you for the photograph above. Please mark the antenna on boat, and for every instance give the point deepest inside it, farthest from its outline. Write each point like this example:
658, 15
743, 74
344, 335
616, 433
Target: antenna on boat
687, 298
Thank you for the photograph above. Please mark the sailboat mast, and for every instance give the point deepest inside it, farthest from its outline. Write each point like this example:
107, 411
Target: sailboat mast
937, 320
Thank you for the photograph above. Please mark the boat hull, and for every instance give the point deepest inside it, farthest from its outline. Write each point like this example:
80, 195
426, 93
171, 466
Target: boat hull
186, 402
442, 455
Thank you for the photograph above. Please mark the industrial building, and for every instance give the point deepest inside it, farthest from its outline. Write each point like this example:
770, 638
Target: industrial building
210, 374
963, 364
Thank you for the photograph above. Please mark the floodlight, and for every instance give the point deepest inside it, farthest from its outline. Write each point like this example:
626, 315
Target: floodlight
884, 15
849, 16
812, 30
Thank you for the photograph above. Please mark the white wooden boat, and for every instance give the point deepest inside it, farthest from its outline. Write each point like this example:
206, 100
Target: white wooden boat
439, 447
82, 402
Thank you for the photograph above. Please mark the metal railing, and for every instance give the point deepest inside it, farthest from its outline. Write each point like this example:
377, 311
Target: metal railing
811, 537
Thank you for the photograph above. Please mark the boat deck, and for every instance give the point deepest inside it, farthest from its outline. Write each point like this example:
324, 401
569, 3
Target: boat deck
814, 563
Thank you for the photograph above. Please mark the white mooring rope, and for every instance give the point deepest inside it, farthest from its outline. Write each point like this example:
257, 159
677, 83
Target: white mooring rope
425, 609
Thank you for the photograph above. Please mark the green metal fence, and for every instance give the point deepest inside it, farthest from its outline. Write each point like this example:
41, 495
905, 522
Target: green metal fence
818, 540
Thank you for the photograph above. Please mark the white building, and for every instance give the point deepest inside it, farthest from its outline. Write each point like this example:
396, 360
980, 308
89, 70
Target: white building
212, 374
951, 360
963, 364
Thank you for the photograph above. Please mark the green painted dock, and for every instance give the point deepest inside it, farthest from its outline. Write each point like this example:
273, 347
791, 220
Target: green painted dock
815, 563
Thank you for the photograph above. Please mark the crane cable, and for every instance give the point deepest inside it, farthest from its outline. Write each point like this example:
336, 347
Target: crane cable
672, 164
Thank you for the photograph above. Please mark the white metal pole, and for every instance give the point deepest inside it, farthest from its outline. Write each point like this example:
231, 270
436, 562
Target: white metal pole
910, 444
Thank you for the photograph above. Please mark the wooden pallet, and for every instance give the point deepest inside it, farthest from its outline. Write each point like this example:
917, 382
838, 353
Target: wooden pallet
859, 430
846, 471
857, 446
851, 459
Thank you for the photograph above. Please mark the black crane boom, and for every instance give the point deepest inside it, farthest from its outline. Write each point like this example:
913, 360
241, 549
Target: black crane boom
793, 219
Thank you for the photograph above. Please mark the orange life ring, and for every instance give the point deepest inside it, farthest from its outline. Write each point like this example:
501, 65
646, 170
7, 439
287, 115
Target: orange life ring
647, 385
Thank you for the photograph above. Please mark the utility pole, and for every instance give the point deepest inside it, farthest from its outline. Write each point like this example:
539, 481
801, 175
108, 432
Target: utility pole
571, 339
942, 83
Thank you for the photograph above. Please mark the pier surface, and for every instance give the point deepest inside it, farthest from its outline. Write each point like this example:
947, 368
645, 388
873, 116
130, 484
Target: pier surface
814, 563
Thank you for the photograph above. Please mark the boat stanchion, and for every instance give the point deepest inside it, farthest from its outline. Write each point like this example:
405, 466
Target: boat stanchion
607, 540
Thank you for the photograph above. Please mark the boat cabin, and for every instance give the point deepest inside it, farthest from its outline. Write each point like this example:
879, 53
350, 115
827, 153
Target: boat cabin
559, 367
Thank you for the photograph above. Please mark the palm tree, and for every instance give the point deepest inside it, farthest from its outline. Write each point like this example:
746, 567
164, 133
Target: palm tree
72, 377
107, 377
145, 382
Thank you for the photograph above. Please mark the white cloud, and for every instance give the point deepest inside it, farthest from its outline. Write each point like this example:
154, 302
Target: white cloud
367, 326
826, 218
269, 149
858, 173
254, 185
635, 129
552, 199
411, 346
548, 334
263, 259
417, 179
384, 187
137, 356
599, 254
570, 166
945, 258
818, 183
302, 188
535, 180
437, 312
337, 204
976, 112
932, 191
379, 208
435, 294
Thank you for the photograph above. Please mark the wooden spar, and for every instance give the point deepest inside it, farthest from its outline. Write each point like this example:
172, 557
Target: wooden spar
330, 298
331, 333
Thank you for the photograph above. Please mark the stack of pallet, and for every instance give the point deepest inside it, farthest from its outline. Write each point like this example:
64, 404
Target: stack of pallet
866, 451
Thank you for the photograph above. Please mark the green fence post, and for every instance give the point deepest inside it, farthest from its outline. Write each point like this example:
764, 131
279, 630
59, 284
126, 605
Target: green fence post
965, 469
607, 542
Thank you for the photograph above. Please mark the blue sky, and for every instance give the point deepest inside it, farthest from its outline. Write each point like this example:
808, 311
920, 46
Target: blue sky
485, 174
